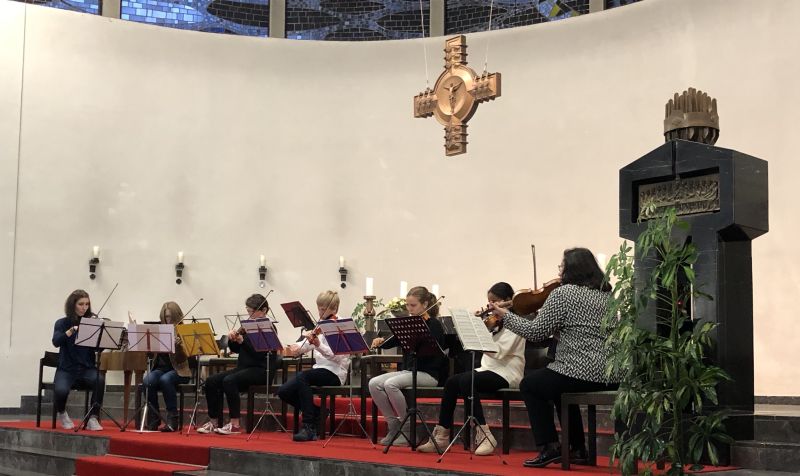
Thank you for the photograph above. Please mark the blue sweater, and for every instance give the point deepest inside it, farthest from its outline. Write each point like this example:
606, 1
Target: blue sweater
71, 358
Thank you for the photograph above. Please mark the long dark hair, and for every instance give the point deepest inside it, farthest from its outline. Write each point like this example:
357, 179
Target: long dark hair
426, 298
580, 268
72, 299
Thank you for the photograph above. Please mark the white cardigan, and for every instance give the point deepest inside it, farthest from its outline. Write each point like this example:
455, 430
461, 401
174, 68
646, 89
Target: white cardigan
509, 363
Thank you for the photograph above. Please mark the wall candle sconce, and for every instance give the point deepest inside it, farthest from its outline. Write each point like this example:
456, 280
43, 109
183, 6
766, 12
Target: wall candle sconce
342, 272
262, 271
94, 261
179, 268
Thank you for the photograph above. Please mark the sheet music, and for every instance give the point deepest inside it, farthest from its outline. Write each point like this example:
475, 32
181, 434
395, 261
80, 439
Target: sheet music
262, 334
96, 332
343, 336
151, 338
473, 332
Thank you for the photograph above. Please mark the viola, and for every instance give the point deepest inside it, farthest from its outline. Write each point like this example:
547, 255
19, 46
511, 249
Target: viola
529, 301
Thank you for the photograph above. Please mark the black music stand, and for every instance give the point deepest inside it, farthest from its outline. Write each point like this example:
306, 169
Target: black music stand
299, 316
344, 338
197, 339
151, 339
99, 334
264, 338
415, 339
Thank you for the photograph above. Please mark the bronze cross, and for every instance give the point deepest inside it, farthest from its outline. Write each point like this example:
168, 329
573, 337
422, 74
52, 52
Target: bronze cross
456, 95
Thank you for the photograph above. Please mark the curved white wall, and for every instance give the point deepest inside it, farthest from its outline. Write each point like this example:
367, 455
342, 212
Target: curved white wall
148, 140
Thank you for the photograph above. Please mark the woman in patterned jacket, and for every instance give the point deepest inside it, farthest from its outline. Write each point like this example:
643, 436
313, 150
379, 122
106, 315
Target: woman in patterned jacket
575, 311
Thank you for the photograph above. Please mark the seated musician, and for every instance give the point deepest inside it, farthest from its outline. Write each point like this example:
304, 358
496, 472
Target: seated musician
328, 370
387, 389
575, 310
169, 371
501, 370
251, 369
77, 366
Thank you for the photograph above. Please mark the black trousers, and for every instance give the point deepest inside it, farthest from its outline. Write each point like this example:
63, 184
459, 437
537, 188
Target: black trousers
540, 390
297, 392
230, 383
459, 385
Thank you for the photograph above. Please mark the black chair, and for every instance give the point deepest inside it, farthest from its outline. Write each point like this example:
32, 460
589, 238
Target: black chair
50, 359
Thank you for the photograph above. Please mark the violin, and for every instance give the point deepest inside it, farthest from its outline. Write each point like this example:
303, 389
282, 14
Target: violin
529, 301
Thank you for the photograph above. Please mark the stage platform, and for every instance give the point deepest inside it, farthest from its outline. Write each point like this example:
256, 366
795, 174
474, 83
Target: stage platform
111, 452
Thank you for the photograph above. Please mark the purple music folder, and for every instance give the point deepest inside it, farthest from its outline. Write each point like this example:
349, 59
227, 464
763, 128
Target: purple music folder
262, 334
343, 336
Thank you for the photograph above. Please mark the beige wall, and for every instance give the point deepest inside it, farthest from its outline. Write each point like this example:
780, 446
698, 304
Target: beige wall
148, 140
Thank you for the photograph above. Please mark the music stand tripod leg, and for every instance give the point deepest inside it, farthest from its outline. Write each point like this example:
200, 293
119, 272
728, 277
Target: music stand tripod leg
196, 396
146, 405
351, 411
268, 410
95, 405
412, 413
471, 421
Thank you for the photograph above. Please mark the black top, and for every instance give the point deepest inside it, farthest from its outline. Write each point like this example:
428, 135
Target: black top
71, 358
248, 357
437, 366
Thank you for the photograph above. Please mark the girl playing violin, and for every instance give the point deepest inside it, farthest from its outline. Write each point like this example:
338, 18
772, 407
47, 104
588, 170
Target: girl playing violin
251, 369
329, 370
386, 389
501, 370
76, 364
575, 310
169, 371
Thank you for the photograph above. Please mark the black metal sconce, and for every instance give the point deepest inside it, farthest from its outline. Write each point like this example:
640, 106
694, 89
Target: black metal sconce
94, 261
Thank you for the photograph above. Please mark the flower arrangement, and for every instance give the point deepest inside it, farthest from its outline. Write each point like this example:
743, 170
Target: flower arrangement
396, 306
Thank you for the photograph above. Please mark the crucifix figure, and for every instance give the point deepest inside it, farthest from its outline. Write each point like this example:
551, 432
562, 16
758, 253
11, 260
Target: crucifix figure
456, 95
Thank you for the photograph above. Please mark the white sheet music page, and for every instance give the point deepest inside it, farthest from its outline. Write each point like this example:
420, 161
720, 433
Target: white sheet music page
473, 333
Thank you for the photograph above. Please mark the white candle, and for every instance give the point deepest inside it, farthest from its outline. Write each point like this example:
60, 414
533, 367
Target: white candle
601, 260
403, 289
180, 256
341, 261
95, 251
369, 287
263, 260
435, 290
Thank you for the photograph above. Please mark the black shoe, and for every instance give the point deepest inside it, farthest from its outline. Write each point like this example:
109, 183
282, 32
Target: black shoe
551, 454
307, 433
171, 424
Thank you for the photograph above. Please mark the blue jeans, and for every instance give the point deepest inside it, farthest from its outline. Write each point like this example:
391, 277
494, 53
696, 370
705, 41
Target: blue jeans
168, 383
65, 381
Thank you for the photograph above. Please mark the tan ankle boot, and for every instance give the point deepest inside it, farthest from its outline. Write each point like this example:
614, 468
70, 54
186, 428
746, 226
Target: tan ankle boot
442, 437
485, 441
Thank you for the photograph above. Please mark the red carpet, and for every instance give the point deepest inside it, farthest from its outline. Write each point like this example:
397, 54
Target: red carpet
194, 449
119, 466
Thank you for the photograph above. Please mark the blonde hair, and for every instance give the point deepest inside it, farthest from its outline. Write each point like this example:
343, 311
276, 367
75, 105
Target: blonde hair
175, 313
329, 299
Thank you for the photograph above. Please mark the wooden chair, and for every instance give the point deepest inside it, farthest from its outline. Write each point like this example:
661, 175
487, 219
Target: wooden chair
50, 359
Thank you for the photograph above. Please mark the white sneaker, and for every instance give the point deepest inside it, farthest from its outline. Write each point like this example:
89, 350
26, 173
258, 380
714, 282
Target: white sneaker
209, 427
65, 421
229, 429
485, 441
93, 424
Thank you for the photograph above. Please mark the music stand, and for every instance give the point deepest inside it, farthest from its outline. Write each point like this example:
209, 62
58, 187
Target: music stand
299, 317
264, 338
415, 339
344, 338
196, 339
99, 334
151, 339
474, 337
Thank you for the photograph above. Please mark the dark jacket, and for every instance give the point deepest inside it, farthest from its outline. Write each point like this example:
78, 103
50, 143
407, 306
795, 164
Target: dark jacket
71, 358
